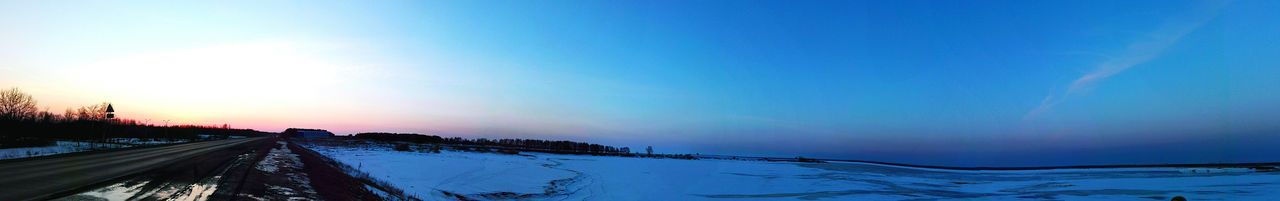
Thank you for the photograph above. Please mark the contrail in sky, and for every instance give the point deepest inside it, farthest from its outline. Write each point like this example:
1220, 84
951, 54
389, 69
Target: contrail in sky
1137, 53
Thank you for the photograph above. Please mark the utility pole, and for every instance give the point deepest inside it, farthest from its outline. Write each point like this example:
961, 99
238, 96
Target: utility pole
147, 124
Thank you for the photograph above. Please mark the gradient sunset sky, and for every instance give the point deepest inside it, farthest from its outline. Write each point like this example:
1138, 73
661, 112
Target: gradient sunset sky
963, 83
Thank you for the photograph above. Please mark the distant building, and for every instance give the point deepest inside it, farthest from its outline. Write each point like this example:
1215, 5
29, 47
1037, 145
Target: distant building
306, 133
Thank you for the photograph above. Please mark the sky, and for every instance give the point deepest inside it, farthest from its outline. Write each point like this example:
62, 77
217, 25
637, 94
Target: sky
957, 83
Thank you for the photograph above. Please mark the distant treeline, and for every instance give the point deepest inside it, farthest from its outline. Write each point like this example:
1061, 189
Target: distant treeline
22, 124
562, 146
88, 130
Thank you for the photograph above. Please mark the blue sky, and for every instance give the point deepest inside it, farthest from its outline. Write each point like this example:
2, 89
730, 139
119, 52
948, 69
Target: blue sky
994, 83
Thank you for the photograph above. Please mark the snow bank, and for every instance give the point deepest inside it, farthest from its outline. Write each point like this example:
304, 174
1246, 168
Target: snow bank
61, 147
140, 141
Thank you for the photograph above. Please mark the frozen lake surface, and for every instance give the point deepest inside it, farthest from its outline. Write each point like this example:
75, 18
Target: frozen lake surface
536, 176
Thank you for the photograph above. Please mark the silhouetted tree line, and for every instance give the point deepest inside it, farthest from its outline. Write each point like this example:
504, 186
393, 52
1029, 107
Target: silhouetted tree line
399, 137
22, 124
550, 146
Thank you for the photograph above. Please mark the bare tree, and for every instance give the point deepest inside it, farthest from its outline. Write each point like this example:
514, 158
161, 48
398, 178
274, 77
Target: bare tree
95, 112
45, 116
70, 115
14, 104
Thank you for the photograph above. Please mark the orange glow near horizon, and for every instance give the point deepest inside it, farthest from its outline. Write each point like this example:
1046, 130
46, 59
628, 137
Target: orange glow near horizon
266, 85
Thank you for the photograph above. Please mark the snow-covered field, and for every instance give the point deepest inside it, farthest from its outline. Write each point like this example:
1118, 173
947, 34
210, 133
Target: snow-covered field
536, 176
60, 147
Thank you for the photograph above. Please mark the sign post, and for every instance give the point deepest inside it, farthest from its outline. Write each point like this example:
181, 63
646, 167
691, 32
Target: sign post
111, 114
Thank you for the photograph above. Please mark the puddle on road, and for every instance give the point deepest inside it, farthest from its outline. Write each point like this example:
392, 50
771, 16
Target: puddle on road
119, 191
136, 189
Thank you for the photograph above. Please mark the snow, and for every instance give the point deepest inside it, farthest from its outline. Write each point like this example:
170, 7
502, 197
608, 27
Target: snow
379, 192
140, 141
60, 147
118, 191
537, 176
198, 191
281, 158
456, 172
63, 146
135, 189
277, 157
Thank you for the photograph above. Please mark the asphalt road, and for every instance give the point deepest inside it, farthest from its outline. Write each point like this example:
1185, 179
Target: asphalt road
40, 178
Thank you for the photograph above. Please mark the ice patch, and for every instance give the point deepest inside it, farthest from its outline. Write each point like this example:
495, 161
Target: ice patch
199, 191
119, 191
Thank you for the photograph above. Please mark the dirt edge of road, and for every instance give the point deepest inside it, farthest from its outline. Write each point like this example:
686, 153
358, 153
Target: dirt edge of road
333, 180
240, 179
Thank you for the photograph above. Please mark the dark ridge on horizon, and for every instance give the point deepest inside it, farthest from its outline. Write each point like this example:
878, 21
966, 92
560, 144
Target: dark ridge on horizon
1172, 165
1275, 165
